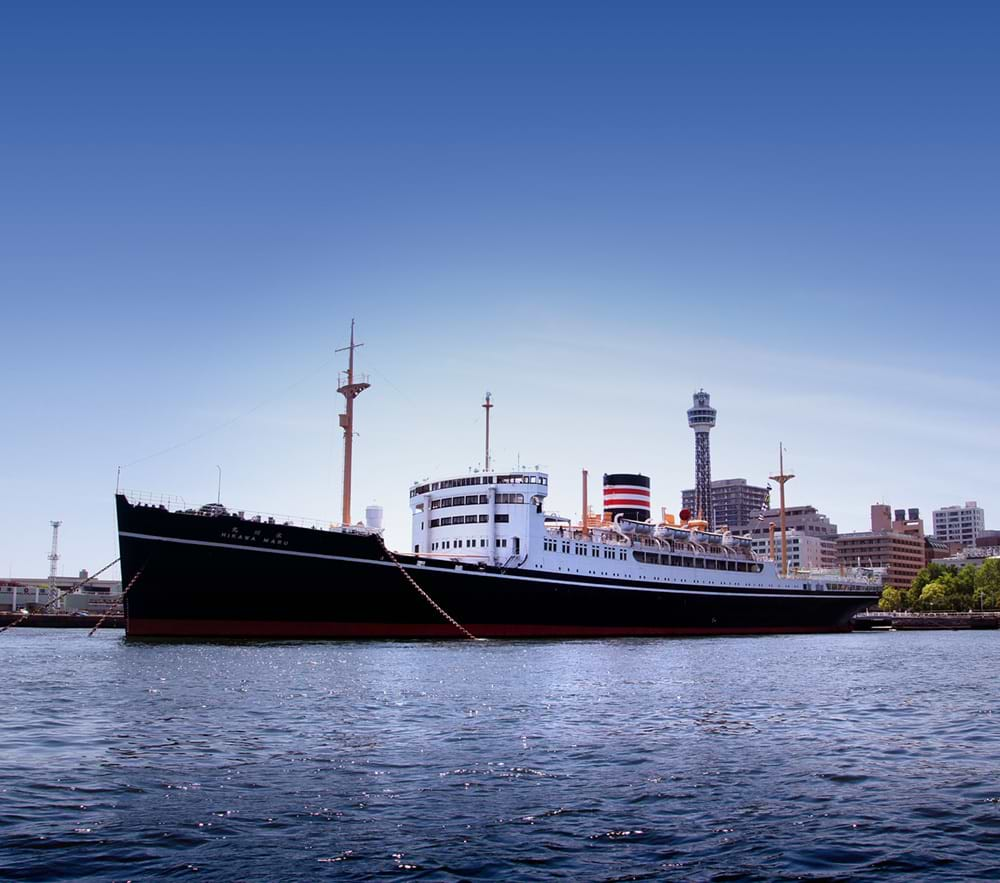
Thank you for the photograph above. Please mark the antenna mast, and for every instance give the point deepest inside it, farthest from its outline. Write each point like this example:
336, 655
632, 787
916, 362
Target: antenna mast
781, 478
54, 559
488, 405
350, 391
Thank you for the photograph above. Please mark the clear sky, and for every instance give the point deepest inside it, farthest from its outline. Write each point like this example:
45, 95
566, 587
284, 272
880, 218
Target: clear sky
590, 209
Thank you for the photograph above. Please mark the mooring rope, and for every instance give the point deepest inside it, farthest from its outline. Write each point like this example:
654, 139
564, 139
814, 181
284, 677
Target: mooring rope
59, 596
444, 613
120, 602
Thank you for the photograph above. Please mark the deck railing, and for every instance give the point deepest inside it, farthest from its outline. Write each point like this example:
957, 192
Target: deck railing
177, 504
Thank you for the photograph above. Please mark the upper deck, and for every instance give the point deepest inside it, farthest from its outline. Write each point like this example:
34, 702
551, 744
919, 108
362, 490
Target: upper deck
527, 478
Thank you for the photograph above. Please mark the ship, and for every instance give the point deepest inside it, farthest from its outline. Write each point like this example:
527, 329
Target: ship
486, 560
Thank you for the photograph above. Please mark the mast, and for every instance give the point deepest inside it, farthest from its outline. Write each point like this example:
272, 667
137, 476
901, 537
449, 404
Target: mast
53, 563
584, 522
350, 391
488, 405
781, 478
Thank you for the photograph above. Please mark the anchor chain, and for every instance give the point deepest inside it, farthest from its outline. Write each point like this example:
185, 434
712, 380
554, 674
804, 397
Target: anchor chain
60, 596
121, 602
444, 613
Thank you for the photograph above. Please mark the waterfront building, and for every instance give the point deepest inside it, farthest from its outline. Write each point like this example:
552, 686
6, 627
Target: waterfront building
896, 542
962, 524
975, 557
735, 503
988, 539
34, 592
805, 551
805, 520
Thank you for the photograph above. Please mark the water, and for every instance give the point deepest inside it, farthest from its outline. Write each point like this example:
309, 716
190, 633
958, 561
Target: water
815, 757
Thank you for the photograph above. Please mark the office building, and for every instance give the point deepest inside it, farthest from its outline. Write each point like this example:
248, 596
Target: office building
735, 503
961, 524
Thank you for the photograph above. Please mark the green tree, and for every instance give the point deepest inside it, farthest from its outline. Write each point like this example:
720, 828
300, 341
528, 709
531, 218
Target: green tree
933, 572
987, 584
934, 596
892, 599
961, 585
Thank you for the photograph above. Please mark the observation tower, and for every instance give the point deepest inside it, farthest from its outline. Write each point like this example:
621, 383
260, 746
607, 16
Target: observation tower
701, 418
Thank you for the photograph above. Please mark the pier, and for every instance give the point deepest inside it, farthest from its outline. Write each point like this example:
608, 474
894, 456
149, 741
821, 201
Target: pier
60, 621
989, 619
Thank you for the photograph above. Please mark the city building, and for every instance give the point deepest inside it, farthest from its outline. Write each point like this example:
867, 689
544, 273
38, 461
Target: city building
803, 520
735, 503
975, 557
805, 551
961, 524
904, 521
900, 547
34, 593
988, 539
935, 550
701, 418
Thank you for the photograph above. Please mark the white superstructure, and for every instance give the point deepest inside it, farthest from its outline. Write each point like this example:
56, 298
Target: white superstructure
497, 519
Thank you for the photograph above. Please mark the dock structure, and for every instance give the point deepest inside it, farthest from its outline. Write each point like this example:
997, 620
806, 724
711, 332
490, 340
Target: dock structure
869, 621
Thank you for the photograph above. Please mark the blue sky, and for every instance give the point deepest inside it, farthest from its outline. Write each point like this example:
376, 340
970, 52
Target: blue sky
589, 209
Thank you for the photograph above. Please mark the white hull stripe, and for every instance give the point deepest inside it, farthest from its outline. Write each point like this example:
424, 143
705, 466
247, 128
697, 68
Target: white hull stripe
519, 575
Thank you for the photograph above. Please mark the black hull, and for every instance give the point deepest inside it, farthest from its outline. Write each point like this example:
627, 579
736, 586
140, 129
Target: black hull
216, 577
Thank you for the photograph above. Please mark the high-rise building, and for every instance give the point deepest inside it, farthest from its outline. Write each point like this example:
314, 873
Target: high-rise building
959, 524
734, 502
701, 418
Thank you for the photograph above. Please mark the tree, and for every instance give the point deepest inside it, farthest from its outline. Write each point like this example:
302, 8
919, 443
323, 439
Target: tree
949, 594
892, 599
934, 596
987, 584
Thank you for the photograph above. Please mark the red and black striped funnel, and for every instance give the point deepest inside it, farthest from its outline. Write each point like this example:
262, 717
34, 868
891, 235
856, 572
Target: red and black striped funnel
626, 494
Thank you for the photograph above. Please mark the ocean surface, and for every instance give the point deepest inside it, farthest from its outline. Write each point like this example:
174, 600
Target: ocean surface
862, 757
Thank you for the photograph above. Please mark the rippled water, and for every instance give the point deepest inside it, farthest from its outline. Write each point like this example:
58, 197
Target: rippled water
813, 757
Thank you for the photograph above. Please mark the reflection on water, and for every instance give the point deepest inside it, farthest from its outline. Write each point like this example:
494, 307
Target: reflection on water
746, 758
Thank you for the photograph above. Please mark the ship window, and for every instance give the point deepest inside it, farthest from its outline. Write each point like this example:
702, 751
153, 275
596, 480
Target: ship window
416, 548
483, 519
594, 551
435, 522
458, 544
482, 543
503, 519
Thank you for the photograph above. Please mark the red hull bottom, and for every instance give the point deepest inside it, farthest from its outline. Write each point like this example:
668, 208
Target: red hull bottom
236, 628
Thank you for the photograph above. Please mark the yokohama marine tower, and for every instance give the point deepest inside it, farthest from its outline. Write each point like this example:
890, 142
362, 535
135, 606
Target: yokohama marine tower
701, 418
